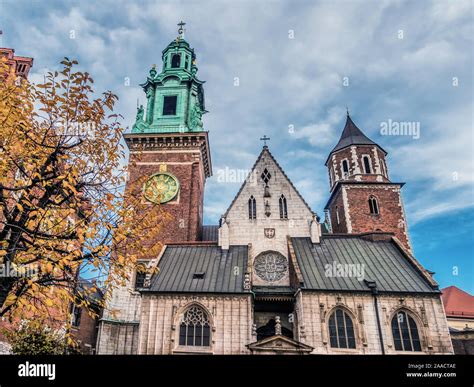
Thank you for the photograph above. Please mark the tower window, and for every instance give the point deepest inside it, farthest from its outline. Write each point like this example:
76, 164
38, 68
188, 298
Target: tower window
367, 164
169, 105
186, 62
140, 277
76, 316
405, 333
252, 208
176, 61
283, 208
345, 168
373, 205
341, 330
195, 328
337, 214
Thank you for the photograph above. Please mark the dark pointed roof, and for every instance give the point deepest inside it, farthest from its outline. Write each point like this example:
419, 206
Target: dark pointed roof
352, 135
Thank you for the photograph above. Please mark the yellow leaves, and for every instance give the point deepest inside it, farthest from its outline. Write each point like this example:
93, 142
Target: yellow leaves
49, 303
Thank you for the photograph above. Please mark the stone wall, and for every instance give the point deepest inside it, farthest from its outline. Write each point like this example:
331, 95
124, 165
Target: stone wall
242, 230
230, 316
314, 309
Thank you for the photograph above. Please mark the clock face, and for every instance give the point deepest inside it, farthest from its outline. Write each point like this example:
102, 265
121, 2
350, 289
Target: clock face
161, 188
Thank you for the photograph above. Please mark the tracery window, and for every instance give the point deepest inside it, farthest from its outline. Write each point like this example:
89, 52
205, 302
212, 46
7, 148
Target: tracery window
195, 328
405, 333
341, 330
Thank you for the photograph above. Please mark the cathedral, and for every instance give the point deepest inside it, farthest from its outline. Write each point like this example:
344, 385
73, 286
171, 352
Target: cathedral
272, 277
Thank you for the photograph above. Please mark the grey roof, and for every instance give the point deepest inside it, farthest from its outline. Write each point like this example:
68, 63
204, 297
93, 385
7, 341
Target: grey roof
223, 269
352, 135
209, 233
383, 262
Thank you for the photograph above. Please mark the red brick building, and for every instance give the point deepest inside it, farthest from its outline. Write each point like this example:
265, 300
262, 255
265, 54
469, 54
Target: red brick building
363, 198
459, 308
21, 64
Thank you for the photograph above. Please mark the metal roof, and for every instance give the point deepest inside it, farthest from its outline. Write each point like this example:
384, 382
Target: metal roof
382, 261
223, 270
352, 135
210, 233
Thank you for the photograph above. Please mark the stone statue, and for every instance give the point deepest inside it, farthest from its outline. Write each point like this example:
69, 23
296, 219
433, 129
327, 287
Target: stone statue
195, 118
140, 113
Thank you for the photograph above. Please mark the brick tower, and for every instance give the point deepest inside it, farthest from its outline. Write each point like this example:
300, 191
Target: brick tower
168, 144
363, 198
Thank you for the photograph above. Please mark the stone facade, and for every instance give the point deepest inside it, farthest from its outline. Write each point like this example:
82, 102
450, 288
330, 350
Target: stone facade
266, 233
232, 319
315, 308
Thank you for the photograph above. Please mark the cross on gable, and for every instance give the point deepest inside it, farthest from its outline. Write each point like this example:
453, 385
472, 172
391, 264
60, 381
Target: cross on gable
264, 139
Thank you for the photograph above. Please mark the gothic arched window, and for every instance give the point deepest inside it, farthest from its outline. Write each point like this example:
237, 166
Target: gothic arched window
175, 61
405, 333
283, 208
140, 276
337, 214
195, 328
252, 208
345, 169
341, 330
367, 168
373, 205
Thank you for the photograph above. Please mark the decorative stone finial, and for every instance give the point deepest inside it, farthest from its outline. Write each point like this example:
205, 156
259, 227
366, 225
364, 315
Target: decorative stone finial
277, 326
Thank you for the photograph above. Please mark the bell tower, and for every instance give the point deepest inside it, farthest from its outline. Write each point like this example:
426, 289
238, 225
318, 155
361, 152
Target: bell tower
168, 145
363, 198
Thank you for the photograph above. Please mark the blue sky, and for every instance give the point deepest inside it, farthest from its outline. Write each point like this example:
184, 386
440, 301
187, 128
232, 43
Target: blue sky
298, 65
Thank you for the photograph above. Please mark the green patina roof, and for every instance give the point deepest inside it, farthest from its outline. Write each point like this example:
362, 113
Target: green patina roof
178, 80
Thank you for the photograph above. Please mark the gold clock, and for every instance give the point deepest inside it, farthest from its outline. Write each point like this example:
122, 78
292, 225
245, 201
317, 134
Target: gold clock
161, 188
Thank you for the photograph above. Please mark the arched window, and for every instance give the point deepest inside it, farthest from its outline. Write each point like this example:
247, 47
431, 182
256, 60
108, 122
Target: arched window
283, 208
337, 214
373, 205
140, 276
175, 61
367, 164
405, 333
252, 208
195, 328
345, 169
341, 330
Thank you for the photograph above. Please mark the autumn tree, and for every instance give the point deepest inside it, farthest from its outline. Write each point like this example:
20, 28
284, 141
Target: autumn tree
62, 200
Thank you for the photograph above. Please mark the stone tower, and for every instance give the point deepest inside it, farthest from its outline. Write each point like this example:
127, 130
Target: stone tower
363, 198
168, 144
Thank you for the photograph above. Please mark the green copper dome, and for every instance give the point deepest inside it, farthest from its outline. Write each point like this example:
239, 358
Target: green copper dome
175, 96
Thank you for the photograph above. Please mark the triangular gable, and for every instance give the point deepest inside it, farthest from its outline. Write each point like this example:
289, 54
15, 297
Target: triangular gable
281, 344
265, 151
